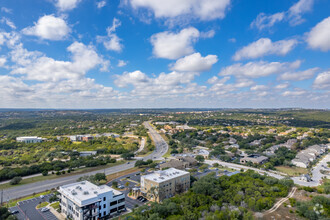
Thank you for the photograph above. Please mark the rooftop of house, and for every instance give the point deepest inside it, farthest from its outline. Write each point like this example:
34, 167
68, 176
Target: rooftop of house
82, 192
164, 175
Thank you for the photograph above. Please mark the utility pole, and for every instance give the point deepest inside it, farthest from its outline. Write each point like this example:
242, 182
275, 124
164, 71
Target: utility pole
1, 197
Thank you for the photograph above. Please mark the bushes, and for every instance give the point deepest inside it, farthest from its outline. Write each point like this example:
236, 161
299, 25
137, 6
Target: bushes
9, 173
317, 208
218, 198
141, 163
16, 180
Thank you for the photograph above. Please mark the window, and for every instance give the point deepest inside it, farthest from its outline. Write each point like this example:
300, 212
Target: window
121, 200
100, 207
103, 213
104, 198
113, 203
104, 205
100, 215
113, 210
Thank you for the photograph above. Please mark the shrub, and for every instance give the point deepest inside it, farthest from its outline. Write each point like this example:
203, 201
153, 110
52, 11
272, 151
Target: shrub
16, 180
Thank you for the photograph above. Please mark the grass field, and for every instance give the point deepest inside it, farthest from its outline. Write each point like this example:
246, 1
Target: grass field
53, 176
292, 171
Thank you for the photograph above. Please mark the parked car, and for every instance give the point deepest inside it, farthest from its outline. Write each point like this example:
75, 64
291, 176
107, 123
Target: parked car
121, 187
42, 196
44, 209
14, 212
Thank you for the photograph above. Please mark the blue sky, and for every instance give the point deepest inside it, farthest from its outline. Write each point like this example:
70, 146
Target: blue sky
164, 53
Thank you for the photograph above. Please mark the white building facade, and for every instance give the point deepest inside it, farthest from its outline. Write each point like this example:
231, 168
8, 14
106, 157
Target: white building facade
87, 201
30, 140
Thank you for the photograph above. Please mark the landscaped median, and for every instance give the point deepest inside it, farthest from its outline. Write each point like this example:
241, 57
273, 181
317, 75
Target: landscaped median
43, 204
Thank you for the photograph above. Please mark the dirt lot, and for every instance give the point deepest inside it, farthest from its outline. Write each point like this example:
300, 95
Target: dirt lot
122, 173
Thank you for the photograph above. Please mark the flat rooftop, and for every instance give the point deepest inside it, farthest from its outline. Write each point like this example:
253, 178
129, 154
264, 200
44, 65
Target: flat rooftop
85, 192
164, 175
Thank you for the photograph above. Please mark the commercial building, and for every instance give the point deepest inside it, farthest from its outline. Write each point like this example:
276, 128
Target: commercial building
30, 140
180, 163
85, 200
87, 153
164, 184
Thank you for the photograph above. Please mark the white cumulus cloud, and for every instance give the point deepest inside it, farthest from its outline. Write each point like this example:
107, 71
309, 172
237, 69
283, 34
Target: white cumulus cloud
293, 15
201, 9
49, 27
319, 36
194, 63
101, 4
298, 76
171, 45
112, 41
258, 69
37, 66
322, 81
66, 5
264, 47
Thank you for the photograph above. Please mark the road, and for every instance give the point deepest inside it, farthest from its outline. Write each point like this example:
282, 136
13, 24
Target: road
28, 189
317, 176
316, 173
238, 167
141, 147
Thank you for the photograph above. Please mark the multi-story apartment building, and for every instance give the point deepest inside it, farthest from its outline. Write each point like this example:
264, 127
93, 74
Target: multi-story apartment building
87, 201
164, 184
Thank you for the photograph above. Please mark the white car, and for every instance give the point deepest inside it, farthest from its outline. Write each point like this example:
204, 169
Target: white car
44, 209
42, 196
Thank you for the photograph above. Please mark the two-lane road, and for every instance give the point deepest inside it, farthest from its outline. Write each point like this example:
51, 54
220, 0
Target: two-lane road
28, 189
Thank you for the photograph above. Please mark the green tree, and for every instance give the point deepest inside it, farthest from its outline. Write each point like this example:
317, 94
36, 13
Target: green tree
16, 180
200, 158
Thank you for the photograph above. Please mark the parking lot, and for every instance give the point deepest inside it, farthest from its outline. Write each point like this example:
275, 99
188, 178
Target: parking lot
133, 179
27, 209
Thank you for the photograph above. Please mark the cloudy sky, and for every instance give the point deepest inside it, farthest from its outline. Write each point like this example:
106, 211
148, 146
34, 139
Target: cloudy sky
164, 53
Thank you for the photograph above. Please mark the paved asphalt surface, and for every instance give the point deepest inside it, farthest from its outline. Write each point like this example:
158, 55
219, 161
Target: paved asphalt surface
316, 173
316, 177
27, 210
133, 179
28, 189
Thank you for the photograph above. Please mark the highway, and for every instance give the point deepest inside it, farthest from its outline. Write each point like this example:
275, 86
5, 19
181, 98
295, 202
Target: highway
28, 189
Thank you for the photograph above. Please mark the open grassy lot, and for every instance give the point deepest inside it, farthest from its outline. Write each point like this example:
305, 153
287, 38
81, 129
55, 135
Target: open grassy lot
292, 171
